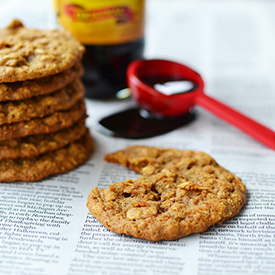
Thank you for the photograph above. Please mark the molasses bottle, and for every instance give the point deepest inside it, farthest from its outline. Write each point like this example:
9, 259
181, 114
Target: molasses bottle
113, 34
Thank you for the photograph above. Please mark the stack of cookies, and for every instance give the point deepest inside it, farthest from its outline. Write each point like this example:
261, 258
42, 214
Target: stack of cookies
42, 109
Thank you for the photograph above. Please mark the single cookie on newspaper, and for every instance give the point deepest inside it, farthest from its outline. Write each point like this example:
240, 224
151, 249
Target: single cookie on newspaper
179, 193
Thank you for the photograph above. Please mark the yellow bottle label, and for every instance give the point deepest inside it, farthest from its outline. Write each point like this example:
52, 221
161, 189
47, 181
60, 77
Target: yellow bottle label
102, 22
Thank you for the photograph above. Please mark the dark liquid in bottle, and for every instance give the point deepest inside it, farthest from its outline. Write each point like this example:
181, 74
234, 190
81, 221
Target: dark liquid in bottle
105, 67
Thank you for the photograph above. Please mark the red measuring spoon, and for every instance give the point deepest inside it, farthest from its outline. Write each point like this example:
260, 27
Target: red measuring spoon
158, 103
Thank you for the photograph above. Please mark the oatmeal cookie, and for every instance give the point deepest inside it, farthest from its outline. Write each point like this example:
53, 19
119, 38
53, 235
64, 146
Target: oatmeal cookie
148, 160
40, 106
48, 124
32, 146
29, 53
40, 86
56, 162
180, 193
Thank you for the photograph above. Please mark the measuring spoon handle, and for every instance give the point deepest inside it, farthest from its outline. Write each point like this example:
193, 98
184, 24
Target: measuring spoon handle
242, 122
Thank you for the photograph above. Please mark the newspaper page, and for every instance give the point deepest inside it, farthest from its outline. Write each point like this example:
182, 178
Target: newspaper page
45, 227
